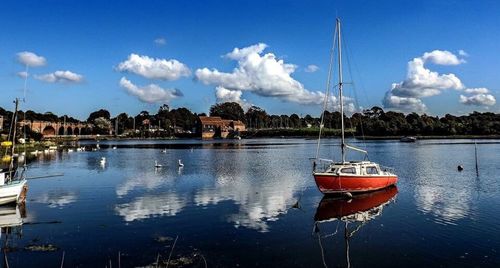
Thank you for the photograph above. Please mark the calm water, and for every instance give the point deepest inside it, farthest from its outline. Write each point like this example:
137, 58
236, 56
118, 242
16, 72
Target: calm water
233, 205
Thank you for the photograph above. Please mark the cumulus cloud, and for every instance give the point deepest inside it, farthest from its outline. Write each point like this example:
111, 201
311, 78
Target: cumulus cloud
241, 53
225, 95
442, 57
311, 68
478, 100
154, 68
22, 74
151, 93
463, 53
479, 90
421, 82
403, 103
262, 74
60, 77
31, 59
160, 41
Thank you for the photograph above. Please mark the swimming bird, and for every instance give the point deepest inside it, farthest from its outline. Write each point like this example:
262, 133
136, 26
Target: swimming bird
114, 147
102, 161
164, 151
180, 163
157, 165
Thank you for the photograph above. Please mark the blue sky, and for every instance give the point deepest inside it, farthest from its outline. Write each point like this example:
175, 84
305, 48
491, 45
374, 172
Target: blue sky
88, 41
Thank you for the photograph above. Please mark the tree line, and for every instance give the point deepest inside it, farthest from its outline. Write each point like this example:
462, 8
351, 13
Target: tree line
168, 122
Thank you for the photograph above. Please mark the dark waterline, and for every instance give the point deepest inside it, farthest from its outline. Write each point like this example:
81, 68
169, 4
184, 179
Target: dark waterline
254, 203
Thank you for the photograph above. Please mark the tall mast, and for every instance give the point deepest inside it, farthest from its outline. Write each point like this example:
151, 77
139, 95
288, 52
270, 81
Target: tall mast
339, 44
14, 125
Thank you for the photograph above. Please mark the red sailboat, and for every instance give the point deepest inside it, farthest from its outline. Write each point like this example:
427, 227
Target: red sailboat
348, 176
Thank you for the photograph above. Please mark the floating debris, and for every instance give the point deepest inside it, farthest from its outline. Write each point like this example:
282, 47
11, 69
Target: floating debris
43, 248
163, 239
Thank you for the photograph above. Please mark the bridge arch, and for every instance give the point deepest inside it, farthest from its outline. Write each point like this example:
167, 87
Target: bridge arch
76, 131
86, 131
60, 131
49, 131
69, 131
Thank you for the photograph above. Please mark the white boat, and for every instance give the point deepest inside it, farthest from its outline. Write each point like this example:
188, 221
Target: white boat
12, 190
408, 139
13, 184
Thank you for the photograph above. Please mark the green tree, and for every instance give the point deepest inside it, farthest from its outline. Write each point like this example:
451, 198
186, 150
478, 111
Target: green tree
101, 113
228, 110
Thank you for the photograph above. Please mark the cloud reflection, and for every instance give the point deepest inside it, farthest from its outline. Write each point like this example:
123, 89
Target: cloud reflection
448, 204
147, 181
144, 207
259, 201
58, 199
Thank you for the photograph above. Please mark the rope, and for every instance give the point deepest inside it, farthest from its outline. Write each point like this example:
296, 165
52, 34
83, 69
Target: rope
327, 93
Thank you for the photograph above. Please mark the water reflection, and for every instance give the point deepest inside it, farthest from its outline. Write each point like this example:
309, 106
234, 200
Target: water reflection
356, 211
58, 198
259, 201
148, 206
447, 207
149, 181
11, 221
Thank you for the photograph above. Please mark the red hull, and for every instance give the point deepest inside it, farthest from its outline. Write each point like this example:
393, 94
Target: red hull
330, 184
331, 208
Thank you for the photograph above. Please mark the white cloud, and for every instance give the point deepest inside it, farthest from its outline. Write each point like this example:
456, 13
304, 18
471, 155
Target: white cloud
160, 41
31, 59
22, 74
463, 53
478, 100
479, 90
403, 103
264, 75
60, 77
225, 95
442, 57
151, 93
242, 53
421, 82
154, 68
311, 68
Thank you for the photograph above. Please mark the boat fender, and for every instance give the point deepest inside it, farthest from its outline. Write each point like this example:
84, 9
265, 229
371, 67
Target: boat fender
348, 195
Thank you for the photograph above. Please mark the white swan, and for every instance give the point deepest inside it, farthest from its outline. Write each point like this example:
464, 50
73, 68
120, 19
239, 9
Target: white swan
180, 163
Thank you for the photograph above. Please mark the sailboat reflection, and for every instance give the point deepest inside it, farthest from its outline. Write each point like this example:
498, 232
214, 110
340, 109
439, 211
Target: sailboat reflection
356, 211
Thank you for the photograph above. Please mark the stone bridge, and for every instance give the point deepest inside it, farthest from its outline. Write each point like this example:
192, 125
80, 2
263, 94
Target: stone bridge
50, 129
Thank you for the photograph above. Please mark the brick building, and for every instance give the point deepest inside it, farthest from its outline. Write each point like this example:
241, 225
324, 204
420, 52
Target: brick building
215, 126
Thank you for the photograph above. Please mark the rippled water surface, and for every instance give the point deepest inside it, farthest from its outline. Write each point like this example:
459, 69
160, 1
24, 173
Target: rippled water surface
254, 203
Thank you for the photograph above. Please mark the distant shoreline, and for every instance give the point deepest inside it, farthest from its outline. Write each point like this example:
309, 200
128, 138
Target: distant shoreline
432, 137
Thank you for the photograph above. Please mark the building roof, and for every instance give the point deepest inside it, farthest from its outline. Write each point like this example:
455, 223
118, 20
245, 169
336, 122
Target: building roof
238, 123
211, 120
